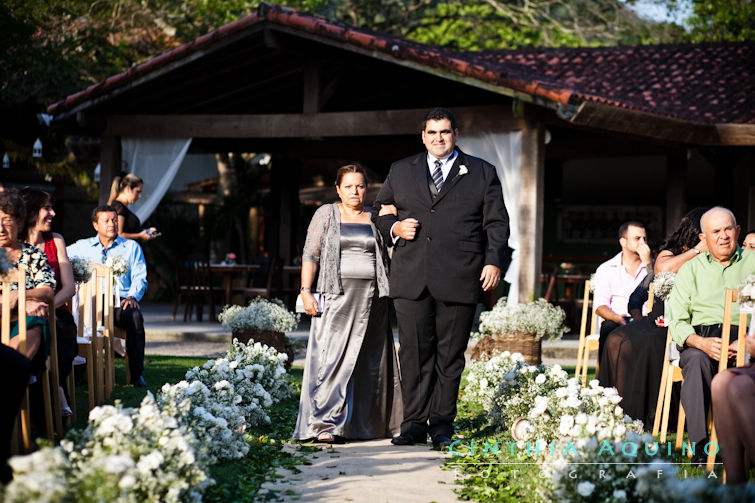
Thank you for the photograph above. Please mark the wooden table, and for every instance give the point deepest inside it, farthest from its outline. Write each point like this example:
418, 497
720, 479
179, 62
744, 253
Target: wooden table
228, 272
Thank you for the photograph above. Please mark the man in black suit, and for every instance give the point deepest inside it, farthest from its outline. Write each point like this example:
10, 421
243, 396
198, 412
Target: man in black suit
450, 238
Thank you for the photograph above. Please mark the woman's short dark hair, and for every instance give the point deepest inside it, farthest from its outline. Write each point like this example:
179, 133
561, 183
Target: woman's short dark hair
34, 200
351, 168
687, 233
12, 205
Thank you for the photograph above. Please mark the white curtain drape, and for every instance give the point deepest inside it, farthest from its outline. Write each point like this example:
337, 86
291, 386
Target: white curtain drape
504, 150
156, 161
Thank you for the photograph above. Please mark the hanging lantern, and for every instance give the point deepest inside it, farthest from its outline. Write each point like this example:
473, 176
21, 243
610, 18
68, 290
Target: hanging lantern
36, 150
6, 161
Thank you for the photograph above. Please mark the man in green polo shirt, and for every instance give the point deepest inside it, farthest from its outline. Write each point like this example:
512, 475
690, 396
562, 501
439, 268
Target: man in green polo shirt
696, 309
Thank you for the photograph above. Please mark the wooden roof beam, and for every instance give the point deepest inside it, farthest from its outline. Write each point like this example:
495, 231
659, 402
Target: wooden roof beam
332, 124
642, 124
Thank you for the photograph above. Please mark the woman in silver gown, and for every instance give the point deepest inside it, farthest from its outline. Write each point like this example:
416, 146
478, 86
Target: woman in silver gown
350, 387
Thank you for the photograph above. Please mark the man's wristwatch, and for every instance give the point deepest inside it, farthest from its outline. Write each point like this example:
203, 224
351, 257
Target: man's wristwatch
305, 288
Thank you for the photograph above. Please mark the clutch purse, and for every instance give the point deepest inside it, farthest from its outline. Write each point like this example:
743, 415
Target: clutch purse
318, 298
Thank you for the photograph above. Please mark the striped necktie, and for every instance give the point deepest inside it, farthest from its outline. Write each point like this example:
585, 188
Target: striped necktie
438, 175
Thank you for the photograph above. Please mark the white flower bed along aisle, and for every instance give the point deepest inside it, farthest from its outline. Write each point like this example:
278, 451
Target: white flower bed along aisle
582, 445
160, 451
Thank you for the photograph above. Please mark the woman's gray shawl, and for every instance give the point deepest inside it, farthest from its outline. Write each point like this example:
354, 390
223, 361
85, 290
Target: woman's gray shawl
322, 247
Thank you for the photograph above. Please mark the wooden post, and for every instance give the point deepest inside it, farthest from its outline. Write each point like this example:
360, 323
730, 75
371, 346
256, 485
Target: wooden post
285, 194
676, 188
110, 164
531, 211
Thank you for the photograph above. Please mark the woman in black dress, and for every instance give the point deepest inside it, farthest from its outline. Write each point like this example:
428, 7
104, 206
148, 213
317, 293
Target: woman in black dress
632, 360
125, 191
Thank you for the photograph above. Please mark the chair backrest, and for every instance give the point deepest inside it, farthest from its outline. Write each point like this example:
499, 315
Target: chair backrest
551, 284
105, 296
651, 297
731, 296
20, 273
194, 272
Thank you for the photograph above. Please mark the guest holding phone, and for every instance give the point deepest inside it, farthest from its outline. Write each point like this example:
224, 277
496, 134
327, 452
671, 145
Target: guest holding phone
125, 191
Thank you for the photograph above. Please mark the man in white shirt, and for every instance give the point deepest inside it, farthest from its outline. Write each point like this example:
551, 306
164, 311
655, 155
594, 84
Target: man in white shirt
616, 279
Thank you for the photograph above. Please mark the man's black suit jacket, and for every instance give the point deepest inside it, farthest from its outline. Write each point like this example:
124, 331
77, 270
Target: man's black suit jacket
460, 231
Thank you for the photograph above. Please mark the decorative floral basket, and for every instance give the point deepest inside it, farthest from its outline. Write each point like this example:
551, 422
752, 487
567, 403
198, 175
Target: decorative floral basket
528, 345
270, 338
263, 321
519, 328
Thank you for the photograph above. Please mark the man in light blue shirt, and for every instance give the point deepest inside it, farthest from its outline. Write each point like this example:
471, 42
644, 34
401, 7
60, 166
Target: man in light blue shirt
131, 286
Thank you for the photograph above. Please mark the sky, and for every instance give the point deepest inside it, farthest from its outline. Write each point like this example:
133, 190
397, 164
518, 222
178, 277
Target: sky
653, 10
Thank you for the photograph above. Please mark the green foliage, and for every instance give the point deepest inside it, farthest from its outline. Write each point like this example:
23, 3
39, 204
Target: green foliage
722, 20
712, 20
504, 24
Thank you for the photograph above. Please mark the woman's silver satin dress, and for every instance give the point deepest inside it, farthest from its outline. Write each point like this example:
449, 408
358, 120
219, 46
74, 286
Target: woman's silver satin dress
350, 386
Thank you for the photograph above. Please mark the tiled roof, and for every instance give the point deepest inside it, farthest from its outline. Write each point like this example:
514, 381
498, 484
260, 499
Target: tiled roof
703, 83
706, 83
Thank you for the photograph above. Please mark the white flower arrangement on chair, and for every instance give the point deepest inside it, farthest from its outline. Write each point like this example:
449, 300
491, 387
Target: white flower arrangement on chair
82, 269
663, 283
118, 264
261, 314
747, 294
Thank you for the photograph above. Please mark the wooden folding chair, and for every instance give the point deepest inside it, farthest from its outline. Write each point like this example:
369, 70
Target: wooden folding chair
43, 376
52, 365
87, 339
105, 302
731, 297
587, 342
671, 374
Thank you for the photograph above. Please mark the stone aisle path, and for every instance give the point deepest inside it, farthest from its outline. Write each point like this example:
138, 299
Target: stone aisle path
372, 471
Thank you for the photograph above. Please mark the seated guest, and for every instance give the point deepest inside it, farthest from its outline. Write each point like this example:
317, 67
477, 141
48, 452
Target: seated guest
696, 308
131, 286
733, 393
633, 356
39, 215
40, 279
749, 241
617, 278
14, 374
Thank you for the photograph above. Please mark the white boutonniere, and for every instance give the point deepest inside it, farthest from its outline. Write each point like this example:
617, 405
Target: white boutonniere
462, 170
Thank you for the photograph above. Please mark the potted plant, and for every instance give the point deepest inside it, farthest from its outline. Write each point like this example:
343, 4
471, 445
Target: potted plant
519, 328
262, 321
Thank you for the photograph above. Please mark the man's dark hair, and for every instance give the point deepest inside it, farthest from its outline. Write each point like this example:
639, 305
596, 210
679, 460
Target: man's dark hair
438, 114
101, 209
626, 225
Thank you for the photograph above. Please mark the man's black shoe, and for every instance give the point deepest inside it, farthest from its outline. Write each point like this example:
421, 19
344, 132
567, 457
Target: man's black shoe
404, 439
139, 382
441, 441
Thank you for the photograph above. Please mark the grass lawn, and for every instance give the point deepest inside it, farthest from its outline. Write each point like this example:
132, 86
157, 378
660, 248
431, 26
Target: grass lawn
236, 480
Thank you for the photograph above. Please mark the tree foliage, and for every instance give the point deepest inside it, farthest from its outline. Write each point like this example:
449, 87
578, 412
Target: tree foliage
722, 20
497, 24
